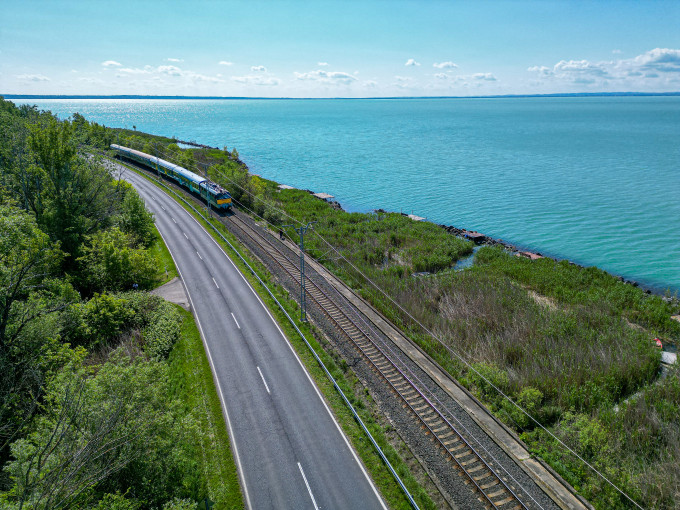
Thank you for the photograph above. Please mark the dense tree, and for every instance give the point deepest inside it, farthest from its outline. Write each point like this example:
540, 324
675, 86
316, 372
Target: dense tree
110, 432
111, 261
134, 219
27, 259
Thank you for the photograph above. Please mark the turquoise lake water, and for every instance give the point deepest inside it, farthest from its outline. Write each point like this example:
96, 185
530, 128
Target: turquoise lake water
595, 180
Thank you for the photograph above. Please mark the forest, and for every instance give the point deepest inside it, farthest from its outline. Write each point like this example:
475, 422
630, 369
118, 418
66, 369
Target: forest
97, 408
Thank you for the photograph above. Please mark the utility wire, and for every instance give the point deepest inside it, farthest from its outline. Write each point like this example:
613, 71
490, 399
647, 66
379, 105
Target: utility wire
447, 347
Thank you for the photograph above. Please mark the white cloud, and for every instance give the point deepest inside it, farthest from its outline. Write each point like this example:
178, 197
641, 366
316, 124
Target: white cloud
111, 63
655, 68
616, 52
326, 76
580, 67
225, 63
128, 70
259, 69
484, 77
174, 60
441, 76
411, 62
322, 64
170, 70
445, 65
663, 60
370, 84
167, 71
33, 77
257, 80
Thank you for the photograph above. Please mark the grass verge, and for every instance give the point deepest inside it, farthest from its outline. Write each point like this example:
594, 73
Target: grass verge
192, 382
164, 262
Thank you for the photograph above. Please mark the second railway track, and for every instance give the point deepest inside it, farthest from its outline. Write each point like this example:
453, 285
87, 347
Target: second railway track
492, 489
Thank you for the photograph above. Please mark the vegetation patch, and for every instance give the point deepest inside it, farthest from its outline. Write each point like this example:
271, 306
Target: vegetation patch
579, 367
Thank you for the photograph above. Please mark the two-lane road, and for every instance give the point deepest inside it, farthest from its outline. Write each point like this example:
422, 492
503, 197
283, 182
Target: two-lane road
290, 451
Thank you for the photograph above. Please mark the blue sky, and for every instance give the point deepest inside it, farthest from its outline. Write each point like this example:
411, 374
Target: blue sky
350, 48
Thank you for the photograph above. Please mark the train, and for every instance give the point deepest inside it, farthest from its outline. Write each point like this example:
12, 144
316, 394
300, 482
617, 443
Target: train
214, 194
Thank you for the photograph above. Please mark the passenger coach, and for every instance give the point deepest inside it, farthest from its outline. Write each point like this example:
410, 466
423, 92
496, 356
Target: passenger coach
212, 193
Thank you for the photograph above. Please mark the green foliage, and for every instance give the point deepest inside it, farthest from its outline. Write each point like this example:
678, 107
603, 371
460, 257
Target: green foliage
135, 220
110, 261
529, 400
112, 432
104, 317
69, 195
162, 332
117, 502
27, 257
574, 285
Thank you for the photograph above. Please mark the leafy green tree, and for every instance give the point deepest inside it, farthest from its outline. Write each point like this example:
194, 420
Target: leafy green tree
104, 318
114, 432
71, 196
135, 219
111, 262
27, 259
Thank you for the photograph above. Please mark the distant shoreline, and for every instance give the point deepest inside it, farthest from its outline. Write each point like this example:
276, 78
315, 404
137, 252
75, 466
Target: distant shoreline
246, 98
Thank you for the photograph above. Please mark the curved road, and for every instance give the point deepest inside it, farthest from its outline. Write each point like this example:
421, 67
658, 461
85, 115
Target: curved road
289, 450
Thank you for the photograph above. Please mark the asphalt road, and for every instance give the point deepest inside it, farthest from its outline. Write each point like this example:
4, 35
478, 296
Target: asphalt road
289, 450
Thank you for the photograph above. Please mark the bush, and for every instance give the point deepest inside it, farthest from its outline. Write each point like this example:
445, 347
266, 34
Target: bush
111, 262
162, 332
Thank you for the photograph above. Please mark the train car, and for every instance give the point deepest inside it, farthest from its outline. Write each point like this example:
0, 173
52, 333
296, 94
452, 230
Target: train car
212, 193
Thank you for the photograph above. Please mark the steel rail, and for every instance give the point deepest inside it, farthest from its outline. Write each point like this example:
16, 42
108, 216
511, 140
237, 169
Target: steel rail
494, 491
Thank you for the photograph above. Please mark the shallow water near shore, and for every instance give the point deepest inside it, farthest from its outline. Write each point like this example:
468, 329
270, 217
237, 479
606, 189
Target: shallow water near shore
592, 179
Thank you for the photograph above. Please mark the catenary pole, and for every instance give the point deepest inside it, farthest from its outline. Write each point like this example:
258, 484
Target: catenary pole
303, 299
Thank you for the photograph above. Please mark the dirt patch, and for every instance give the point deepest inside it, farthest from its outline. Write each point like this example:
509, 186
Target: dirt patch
543, 300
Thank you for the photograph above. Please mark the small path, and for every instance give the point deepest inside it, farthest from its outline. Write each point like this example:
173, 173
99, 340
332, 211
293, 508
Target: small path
174, 292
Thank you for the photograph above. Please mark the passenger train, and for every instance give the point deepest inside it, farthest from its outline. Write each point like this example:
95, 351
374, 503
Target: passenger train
212, 193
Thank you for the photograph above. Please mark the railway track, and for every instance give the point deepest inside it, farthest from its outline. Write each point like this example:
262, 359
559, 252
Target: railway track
493, 491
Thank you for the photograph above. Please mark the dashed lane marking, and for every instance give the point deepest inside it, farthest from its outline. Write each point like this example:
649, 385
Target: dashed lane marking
216, 283
267, 388
237, 325
307, 484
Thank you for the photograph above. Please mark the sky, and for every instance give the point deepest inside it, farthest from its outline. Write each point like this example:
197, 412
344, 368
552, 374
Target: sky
348, 48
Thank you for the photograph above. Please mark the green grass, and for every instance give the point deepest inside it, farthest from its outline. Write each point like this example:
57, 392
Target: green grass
192, 382
164, 262
350, 385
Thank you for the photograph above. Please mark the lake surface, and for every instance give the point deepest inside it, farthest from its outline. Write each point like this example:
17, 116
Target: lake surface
595, 180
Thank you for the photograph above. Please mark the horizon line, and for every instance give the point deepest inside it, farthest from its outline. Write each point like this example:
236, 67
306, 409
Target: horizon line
493, 96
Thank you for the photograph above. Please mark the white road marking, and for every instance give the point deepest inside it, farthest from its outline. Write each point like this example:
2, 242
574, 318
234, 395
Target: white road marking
232, 314
185, 235
199, 255
153, 198
302, 366
304, 369
307, 484
216, 283
241, 473
163, 208
267, 388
